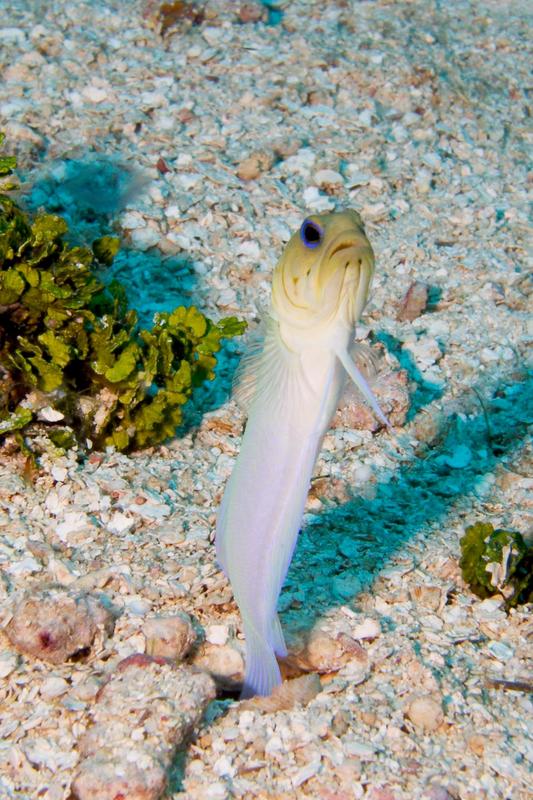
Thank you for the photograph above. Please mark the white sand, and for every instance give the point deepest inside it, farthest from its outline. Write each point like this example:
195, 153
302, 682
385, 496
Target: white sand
420, 108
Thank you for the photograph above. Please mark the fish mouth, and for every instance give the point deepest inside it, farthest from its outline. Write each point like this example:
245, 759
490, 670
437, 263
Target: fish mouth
346, 243
345, 253
341, 246
348, 273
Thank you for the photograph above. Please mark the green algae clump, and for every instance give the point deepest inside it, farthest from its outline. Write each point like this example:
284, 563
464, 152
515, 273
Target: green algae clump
72, 358
495, 561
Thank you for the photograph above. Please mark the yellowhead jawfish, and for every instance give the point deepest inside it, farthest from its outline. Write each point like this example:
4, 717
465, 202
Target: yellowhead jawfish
290, 387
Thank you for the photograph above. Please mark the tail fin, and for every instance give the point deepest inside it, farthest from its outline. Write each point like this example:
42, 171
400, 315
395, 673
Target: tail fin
277, 639
262, 671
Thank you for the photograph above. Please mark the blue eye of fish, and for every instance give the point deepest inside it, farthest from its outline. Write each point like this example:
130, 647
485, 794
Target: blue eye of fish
311, 234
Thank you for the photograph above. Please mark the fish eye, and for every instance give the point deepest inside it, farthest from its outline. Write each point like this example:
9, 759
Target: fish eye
311, 233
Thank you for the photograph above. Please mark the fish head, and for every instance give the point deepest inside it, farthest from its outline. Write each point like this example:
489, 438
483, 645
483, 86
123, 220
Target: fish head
325, 272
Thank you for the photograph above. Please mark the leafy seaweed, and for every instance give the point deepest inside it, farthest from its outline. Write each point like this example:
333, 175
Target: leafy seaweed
105, 249
497, 561
7, 163
71, 353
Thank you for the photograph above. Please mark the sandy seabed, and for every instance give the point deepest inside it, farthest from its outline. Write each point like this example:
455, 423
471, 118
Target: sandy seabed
204, 148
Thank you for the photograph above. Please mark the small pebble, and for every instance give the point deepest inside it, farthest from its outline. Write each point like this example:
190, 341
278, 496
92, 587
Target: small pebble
426, 351
253, 166
429, 596
144, 238
252, 12
169, 636
329, 180
8, 663
425, 713
95, 94
367, 629
53, 687
460, 458
120, 523
217, 634
223, 662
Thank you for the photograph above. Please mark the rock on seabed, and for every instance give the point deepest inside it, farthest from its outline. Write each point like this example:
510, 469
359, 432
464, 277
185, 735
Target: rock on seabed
54, 625
142, 715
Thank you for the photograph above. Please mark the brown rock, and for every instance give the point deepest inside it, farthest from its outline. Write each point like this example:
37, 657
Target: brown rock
322, 652
283, 148
414, 302
169, 636
429, 424
341, 722
298, 691
317, 97
185, 115
476, 743
158, 700
252, 12
53, 625
369, 718
428, 596
253, 166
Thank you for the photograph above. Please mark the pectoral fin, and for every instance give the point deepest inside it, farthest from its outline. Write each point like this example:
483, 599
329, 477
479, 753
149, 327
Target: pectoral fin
351, 368
270, 373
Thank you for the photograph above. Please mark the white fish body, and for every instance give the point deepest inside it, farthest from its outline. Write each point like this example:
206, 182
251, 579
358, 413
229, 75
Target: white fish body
292, 387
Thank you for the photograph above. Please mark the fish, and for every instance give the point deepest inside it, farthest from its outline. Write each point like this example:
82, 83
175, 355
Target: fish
290, 384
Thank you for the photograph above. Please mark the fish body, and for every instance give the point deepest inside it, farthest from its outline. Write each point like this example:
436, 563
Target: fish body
291, 388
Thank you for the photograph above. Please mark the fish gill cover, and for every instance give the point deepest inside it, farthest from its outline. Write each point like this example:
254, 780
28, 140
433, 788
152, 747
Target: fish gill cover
73, 360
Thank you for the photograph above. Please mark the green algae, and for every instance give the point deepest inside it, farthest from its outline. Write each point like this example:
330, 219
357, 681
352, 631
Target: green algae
495, 561
71, 351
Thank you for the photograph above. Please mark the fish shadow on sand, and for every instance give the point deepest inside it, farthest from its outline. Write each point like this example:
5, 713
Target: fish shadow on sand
88, 192
343, 549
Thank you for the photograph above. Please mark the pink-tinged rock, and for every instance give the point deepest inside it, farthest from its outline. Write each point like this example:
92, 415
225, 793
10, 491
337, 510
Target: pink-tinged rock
169, 636
381, 793
440, 793
142, 715
100, 778
54, 625
252, 12
391, 392
413, 303
141, 660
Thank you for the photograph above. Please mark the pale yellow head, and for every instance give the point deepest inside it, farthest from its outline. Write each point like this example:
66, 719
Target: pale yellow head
325, 272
